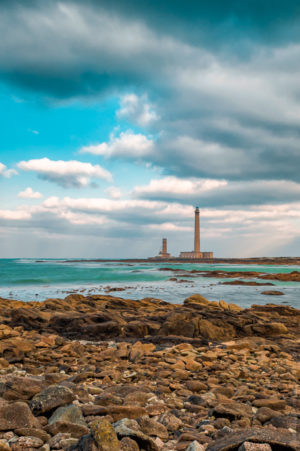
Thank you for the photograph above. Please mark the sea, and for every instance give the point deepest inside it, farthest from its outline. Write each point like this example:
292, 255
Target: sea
40, 279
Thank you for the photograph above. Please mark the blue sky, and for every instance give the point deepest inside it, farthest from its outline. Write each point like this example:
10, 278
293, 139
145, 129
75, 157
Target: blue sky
117, 118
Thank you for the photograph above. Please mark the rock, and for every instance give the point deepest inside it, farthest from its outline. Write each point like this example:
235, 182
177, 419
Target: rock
196, 386
27, 443
15, 416
17, 388
264, 414
127, 444
50, 398
85, 443
31, 432
70, 413
271, 403
117, 412
171, 422
270, 329
66, 427
195, 446
153, 428
4, 445
286, 422
105, 435
277, 439
248, 446
129, 428
232, 410
196, 299
273, 293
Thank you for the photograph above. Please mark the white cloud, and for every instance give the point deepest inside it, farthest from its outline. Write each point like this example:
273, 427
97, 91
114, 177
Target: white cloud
28, 193
127, 145
15, 215
6, 172
66, 173
137, 110
114, 192
176, 186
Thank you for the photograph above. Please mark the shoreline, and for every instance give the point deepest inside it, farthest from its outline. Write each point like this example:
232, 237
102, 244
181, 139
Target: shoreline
233, 261
95, 371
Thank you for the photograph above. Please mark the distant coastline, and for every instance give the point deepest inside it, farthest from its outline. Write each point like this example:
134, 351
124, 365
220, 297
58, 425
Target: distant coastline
233, 261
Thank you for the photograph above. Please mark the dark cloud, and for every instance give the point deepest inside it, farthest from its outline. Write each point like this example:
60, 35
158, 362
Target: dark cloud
232, 194
224, 76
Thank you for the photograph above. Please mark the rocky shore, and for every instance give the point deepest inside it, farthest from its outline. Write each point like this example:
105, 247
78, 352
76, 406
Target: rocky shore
104, 373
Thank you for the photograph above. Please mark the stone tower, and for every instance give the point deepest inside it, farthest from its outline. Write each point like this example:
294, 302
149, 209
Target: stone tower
197, 231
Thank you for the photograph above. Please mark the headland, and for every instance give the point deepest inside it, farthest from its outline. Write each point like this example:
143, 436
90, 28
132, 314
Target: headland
99, 372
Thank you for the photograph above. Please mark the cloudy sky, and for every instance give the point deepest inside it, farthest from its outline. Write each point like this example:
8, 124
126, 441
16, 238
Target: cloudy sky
118, 117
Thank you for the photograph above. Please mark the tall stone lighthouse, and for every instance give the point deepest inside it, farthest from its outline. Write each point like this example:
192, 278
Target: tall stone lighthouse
196, 253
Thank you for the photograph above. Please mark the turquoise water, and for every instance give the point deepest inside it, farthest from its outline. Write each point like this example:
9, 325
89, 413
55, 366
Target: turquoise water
30, 279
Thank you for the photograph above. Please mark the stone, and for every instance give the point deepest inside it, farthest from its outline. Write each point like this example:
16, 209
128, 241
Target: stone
4, 445
195, 446
264, 414
271, 403
129, 428
105, 435
16, 415
31, 432
50, 398
151, 427
27, 443
127, 444
75, 430
17, 388
171, 422
275, 438
248, 446
70, 413
232, 410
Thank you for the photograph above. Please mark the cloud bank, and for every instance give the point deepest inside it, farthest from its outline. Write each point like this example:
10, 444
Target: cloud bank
65, 173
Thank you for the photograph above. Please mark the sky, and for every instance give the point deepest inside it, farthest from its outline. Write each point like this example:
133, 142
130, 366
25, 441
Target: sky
119, 117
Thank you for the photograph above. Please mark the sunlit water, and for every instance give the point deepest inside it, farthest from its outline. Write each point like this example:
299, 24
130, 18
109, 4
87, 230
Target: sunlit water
29, 280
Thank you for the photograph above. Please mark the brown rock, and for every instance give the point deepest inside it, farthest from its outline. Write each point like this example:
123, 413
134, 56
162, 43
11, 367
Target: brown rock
232, 410
50, 398
16, 415
17, 388
271, 403
280, 440
153, 428
127, 444
248, 446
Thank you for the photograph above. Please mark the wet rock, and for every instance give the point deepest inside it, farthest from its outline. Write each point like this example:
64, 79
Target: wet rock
15, 416
273, 293
50, 398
